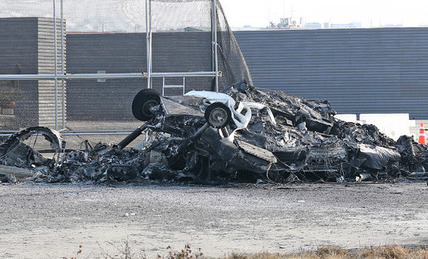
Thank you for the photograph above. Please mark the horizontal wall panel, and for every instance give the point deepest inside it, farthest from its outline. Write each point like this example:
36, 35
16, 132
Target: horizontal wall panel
126, 53
380, 70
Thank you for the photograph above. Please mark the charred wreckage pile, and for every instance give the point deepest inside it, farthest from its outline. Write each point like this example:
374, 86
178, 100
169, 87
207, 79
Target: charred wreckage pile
241, 134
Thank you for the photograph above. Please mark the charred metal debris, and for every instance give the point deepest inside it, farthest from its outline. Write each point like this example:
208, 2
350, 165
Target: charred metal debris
241, 134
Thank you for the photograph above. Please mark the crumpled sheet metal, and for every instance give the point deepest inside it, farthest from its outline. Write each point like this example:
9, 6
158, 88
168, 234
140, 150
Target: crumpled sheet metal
376, 157
14, 152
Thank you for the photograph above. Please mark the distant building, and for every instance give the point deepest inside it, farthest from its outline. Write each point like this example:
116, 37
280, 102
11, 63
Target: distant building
287, 23
346, 26
249, 28
392, 25
313, 25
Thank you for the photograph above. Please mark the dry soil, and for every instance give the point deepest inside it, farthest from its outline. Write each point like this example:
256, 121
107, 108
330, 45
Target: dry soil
51, 221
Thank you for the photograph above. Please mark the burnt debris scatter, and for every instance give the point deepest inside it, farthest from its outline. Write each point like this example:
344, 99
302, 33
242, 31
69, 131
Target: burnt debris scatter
241, 134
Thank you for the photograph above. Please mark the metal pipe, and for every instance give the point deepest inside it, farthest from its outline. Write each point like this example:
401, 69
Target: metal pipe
95, 133
56, 65
186, 74
149, 42
62, 38
214, 42
92, 131
163, 86
104, 76
224, 132
101, 133
70, 76
212, 37
137, 132
184, 85
62, 63
183, 145
173, 86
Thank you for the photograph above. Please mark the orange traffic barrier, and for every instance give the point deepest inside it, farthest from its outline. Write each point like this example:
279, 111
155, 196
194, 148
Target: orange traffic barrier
422, 134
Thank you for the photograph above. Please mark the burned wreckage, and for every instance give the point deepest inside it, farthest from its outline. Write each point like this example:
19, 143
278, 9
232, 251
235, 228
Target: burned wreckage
241, 133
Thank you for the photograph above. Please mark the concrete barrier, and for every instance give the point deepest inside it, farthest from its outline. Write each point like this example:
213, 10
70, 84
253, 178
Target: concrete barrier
393, 125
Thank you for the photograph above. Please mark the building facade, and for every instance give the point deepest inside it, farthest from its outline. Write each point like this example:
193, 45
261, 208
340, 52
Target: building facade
359, 71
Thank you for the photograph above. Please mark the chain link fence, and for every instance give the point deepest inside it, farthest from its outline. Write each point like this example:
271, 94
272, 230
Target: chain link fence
81, 72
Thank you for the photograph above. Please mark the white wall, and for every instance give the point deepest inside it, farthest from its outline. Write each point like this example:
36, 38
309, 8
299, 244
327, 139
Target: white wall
393, 125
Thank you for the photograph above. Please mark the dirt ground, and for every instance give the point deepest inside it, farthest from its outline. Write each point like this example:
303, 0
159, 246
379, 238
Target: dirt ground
51, 221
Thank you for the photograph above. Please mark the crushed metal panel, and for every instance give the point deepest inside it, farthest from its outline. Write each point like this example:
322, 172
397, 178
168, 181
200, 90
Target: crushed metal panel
257, 151
376, 157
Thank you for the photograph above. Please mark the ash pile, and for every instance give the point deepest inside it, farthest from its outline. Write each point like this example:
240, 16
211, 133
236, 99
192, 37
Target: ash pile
241, 134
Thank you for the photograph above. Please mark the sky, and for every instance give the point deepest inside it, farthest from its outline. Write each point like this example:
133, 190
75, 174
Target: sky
120, 15
370, 13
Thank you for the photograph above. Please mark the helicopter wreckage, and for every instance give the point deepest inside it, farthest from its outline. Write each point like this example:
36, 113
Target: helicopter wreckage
241, 134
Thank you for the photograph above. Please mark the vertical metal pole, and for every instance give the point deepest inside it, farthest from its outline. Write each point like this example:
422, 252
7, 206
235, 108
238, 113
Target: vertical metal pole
163, 86
184, 85
56, 68
214, 42
62, 64
149, 42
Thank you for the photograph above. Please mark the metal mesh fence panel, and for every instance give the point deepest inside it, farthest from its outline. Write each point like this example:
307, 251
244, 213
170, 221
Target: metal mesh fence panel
104, 37
27, 46
83, 15
231, 59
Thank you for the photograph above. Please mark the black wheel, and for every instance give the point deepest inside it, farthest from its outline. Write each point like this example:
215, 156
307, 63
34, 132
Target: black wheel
218, 115
143, 102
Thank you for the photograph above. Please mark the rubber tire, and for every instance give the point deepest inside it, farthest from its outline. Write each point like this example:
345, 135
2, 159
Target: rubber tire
143, 101
215, 107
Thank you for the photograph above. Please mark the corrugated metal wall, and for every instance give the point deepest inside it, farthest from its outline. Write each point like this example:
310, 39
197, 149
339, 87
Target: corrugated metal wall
46, 65
382, 70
